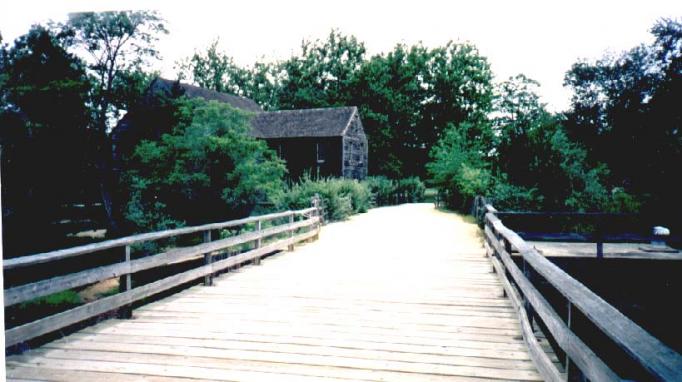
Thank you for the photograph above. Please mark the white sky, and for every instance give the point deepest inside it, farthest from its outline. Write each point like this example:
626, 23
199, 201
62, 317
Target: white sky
538, 38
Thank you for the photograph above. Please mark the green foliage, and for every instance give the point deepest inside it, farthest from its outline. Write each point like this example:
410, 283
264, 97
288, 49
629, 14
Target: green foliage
323, 74
120, 44
386, 191
44, 117
211, 70
340, 197
626, 112
458, 167
410, 190
406, 97
60, 299
208, 169
382, 190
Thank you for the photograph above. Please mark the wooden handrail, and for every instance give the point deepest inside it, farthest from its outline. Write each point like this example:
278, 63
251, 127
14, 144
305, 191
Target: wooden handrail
209, 249
39, 258
655, 357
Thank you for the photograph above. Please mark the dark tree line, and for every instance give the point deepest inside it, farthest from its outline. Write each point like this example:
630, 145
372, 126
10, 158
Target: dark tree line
436, 113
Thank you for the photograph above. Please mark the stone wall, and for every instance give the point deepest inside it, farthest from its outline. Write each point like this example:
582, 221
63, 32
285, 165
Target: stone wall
355, 150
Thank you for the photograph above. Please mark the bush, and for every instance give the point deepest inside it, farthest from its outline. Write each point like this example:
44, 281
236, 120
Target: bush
410, 190
387, 192
208, 169
340, 198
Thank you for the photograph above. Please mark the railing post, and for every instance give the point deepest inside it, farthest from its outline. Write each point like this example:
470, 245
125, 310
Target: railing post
599, 237
259, 242
568, 324
317, 213
291, 232
125, 284
208, 259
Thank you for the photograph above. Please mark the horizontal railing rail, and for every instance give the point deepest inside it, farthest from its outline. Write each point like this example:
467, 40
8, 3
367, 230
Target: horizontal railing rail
307, 227
654, 357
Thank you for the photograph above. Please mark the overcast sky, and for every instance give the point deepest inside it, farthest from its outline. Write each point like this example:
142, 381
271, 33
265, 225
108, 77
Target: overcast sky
538, 38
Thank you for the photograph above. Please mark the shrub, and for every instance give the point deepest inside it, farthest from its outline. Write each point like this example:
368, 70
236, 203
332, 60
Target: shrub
382, 190
340, 198
387, 192
410, 190
208, 169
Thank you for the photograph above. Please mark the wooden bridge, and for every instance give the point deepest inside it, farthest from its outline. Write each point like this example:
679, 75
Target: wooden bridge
403, 293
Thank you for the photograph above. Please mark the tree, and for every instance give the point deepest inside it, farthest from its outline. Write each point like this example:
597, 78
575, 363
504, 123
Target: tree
458, 167
208, 169
217, 71
389, 91
213, 70
118, 44
625, 110
44, 94
409, 96
323, 75
533, 152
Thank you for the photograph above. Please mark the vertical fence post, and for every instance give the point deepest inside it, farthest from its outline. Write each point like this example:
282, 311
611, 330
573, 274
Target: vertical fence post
259, 242
316, 213
568, 323
208, 259
599, 238
291, 231
125, 284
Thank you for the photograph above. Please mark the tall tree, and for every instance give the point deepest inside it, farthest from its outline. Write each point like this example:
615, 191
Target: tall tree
216, 70
44, 94
323, 74
625, 109
389, 90
118, 45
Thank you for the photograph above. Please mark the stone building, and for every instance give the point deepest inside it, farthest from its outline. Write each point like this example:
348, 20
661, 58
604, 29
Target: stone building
320, 142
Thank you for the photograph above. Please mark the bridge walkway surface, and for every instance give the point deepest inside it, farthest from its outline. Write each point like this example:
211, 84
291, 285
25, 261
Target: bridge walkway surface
400, 293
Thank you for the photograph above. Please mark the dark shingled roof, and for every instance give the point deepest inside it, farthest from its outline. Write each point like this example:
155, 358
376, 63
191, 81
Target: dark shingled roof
328, 122
191, 91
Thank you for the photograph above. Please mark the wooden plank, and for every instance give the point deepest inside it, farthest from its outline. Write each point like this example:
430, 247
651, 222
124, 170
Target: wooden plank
243, 349
60, 320
348, 340
499, 341
588, 362
42, 373
142, 370
657, 358
320, 372
284, 358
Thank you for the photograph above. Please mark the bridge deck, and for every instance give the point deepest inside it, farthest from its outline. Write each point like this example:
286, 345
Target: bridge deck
400, 294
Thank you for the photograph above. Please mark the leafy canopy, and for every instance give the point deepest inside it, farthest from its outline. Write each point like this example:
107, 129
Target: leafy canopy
208, 169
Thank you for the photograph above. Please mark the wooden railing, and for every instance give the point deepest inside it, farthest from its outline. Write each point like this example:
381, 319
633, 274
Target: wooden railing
294, 231
651, 355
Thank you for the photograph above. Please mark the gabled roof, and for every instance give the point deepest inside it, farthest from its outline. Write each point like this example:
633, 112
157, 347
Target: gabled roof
191, 91
327, 122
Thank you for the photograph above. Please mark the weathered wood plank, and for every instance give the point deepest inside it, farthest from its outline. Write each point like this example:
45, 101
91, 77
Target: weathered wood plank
352, 374
243, 350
